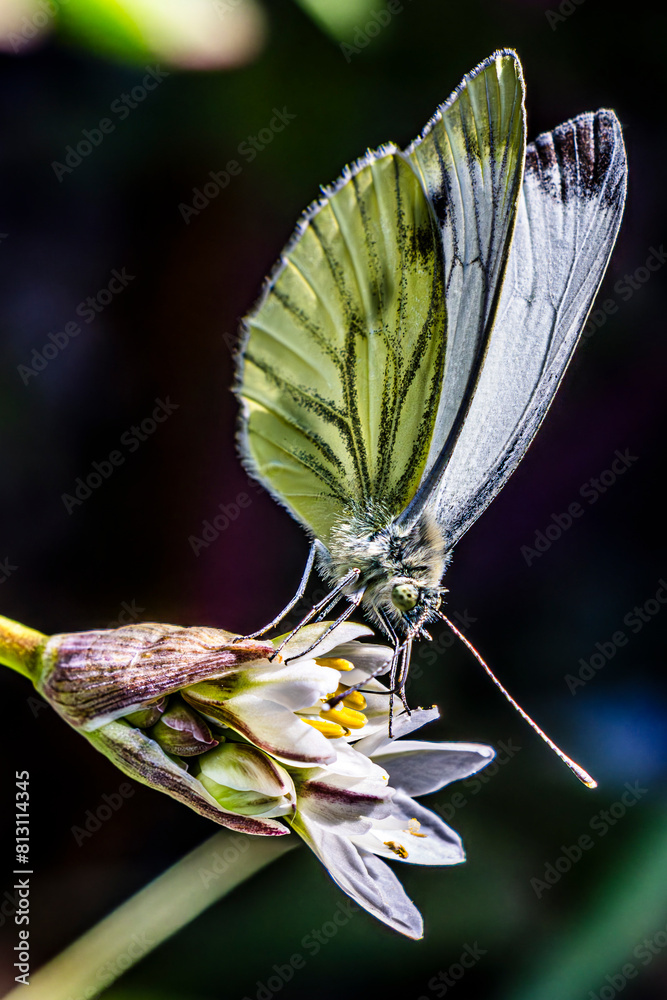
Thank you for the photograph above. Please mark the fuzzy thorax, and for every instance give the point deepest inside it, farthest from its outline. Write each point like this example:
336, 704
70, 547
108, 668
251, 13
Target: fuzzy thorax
400, 565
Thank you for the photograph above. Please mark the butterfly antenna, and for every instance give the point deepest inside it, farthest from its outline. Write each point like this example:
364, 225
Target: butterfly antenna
583, 775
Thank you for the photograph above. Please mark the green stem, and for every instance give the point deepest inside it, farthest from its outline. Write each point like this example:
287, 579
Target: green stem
157, 911
20, 647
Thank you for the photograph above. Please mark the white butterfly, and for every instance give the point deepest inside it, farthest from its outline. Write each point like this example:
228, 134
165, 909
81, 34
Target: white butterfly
413, 333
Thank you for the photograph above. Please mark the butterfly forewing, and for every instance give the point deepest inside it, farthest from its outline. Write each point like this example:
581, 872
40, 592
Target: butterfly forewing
343, 358
569, 214
470, 159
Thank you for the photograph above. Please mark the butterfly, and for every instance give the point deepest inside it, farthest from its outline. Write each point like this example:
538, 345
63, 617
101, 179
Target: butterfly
412, 335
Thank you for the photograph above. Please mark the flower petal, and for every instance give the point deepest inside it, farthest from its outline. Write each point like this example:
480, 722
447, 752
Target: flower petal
419, 768
344, 804
141, 758
244, 780
364, 878
413, 834
368, 658
306, 636
402, 725
297, 684
244, 767
348, 761
272, 728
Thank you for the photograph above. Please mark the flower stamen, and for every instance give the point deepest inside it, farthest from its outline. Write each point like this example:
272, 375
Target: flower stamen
413, 828
397, 849
331, 730
354, 699
344, 716
335, 663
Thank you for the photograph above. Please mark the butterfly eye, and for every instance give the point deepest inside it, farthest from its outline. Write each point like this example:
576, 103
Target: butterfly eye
404, 596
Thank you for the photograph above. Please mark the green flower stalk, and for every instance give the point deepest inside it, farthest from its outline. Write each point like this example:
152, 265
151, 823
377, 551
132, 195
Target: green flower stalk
20, 647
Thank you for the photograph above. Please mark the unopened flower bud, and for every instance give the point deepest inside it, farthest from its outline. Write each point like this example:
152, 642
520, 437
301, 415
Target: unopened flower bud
245, 780
182, 731
92, 678
147, 716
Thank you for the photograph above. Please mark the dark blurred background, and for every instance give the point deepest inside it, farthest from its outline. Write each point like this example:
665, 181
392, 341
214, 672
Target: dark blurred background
345, 77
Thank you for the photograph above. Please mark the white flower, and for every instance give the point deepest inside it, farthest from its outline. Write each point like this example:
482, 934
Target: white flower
336, 777
276, 704
256, 744
361, 808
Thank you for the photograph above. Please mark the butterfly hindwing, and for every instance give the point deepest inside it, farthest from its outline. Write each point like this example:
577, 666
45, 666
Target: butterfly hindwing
343, 356
569, 214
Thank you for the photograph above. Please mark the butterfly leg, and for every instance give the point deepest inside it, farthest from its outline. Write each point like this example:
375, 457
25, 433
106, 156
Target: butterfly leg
391, 634
340, 586
297, 597
398, 673
325, 611
354, 603
406, 652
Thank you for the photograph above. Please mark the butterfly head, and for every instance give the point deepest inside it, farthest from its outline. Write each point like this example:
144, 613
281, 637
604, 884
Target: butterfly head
413, 603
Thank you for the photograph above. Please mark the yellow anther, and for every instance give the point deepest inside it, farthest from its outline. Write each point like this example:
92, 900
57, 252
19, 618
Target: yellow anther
356, 700
335, 662
413, 828
344, 716
331, 730
397, 849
